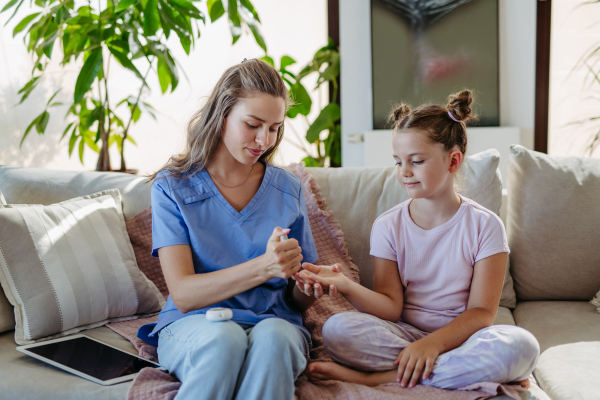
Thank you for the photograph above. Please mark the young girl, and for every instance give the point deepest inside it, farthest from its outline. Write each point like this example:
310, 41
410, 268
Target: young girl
439, 263
218, 212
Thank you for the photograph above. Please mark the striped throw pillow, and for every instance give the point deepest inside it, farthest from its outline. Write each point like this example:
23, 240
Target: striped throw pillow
70, 266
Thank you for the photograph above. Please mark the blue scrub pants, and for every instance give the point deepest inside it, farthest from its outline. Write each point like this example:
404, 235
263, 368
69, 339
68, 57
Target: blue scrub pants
225, 360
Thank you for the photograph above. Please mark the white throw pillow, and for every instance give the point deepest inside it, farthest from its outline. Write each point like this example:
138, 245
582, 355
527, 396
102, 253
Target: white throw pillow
70, 266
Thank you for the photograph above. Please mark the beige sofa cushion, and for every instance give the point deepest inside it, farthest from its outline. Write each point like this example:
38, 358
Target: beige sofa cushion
46, 186
553, 225
27, 378
70, 266
559, 322
357, 196
570, 371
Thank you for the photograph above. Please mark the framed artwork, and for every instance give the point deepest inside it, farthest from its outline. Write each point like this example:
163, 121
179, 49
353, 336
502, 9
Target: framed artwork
424, 50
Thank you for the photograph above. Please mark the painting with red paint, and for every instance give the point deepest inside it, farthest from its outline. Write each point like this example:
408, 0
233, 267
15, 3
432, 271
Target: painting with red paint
423, 50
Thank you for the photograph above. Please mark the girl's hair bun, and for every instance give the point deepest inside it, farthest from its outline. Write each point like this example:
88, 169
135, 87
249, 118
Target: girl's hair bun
459, 104
400, 112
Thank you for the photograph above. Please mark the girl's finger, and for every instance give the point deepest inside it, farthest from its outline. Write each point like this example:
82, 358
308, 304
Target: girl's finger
408, 370
402, 361
337, 267
428, 368
416, 372
308, 289
332, 291
398, 358
318, 290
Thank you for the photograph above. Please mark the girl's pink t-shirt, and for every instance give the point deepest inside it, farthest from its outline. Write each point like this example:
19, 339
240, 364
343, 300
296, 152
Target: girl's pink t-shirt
436, 265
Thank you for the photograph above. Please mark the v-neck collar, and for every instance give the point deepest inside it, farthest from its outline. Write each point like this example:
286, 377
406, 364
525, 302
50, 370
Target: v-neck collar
242, 215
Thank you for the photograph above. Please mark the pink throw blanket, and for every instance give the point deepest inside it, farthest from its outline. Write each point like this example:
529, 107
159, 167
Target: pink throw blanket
151, 384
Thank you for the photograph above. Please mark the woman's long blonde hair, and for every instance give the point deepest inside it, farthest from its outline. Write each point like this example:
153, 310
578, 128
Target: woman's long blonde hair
244, 80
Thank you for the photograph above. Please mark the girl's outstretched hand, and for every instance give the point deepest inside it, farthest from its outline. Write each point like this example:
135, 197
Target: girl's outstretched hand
309, 287
416, 360
325, 276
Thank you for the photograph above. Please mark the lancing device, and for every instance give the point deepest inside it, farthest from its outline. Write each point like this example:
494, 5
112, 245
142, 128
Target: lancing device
219, 314
283, 238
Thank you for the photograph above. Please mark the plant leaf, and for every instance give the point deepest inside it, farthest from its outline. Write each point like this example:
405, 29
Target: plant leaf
24, 22
15, 13
52, 98
286, 61
328, 116
151, 18
124, 4
28, 88
42, 122
72, 140
164, 74
302, 100
27, 130
268, 60
124, 61
248, 6
81, 148
215, 9
88, 74
66, 130
9, 5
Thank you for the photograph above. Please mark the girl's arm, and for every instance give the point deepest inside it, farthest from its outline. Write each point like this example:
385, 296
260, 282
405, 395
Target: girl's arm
191, 291
385, 302
484, 297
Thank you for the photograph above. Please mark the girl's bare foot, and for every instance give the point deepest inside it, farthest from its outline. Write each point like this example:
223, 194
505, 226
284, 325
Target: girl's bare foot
332, 371
525, 383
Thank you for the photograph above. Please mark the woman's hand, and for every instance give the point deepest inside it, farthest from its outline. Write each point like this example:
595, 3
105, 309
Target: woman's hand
281, 259
416, 358
326, 276
309, 287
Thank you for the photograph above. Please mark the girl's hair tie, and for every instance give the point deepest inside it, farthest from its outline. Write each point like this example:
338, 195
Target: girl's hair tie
452, 116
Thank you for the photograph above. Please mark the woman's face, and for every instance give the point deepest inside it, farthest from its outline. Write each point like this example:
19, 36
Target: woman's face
425, 169
251, 127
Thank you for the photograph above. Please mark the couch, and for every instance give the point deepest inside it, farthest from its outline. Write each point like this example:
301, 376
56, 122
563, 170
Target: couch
552, 221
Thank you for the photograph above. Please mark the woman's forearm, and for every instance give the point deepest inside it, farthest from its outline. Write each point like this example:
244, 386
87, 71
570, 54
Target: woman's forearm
374, 303
192, 292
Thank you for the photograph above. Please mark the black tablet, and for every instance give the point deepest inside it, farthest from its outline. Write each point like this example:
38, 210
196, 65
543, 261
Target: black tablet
89, 358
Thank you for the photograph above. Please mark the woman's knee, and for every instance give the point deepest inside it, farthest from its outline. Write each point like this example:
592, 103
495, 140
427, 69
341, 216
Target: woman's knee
198, 338
275, 333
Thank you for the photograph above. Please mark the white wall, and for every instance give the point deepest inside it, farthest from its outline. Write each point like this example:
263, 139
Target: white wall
573, 94
517, 30
297, 29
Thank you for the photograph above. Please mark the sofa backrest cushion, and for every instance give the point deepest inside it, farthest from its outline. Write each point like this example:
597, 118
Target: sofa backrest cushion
357, 196
553, 225
46, 186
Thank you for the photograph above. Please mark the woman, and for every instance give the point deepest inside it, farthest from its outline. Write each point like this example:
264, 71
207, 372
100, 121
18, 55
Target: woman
218, 213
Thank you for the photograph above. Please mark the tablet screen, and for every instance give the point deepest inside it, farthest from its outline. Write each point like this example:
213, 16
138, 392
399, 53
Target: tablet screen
92, 358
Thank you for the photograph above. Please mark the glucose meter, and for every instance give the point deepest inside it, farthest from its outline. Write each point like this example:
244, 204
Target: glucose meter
219, 314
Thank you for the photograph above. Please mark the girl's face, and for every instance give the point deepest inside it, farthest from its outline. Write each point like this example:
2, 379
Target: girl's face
251, 126
424, 168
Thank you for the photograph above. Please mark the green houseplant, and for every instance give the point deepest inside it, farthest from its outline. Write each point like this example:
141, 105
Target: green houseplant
326, 65
134, 33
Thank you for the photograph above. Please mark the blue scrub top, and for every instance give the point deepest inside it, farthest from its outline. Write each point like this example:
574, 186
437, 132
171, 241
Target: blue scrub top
193, 212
